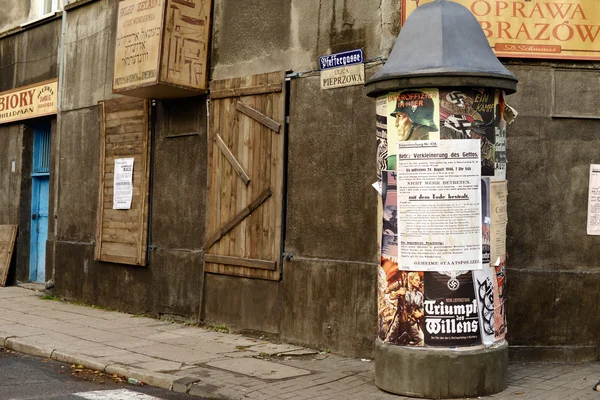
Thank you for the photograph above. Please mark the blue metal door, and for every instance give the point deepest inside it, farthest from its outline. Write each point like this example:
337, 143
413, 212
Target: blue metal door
39, 203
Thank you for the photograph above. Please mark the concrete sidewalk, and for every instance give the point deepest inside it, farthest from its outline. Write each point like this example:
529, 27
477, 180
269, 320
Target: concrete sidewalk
226, 366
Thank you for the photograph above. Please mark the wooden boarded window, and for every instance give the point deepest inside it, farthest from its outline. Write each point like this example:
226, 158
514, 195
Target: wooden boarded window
245, 176
121, 235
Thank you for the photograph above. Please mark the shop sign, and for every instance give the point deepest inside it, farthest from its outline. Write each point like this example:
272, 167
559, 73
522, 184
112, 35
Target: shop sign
28, 102
342, 69
557, 29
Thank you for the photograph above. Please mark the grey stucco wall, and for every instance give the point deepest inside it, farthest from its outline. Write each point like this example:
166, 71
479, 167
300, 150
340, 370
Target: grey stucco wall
13, 14
554, 266
331, 219
290, 35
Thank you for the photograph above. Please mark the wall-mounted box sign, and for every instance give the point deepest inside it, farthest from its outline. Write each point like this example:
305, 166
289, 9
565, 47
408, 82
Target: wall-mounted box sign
30, 101
342, 69
556, 29
161, 48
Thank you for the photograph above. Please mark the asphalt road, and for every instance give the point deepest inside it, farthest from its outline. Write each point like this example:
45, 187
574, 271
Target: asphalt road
24, 377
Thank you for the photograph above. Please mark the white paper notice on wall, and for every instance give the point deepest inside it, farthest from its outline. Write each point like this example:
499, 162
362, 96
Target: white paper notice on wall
123, 184
593, 222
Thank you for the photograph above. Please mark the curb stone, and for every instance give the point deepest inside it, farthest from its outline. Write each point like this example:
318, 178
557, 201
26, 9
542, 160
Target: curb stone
19, 345
163, 381
79, 359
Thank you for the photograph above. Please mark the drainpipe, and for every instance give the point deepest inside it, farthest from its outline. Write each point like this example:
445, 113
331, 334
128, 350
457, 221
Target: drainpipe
61, 66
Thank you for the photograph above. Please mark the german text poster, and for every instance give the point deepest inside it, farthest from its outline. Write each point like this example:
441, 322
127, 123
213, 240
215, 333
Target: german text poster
593, 222
450, 307
498, 205
439, 205
123, 184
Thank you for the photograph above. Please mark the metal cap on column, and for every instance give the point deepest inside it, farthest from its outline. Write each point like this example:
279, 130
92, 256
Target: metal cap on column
442, 83
441, 45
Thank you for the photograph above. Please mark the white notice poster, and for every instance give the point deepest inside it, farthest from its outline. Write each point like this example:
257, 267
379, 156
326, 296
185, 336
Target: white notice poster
123, 184
593, 222
439, 205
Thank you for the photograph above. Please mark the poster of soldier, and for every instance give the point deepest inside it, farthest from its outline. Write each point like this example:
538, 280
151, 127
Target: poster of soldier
411, 115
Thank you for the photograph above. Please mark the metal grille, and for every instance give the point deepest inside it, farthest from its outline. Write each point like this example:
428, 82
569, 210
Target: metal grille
41, 150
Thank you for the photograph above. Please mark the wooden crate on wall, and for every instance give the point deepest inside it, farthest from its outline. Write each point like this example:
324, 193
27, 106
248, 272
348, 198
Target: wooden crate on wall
121, 235
161, 48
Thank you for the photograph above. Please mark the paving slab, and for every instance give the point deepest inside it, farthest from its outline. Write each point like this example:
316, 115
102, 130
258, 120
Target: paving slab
258, 368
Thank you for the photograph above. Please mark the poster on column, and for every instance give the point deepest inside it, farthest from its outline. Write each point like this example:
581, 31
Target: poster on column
411, 115
471, 114
500, 146
439, 205
593, 222
499, 222
389, 246
382, 145
485, 220
401, 300
500, 326
123, 184
451, 317
484, 291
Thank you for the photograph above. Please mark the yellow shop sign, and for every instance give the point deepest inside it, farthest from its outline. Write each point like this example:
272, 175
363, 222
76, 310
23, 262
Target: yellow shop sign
561, 29
30, 101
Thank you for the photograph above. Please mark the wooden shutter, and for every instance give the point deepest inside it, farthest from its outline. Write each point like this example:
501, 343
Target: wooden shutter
121, 235
8, 234
245, 176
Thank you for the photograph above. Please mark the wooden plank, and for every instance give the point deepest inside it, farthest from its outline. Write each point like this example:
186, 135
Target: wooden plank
243, 272
245, 91
239, 217
240, 262
120, 238
258, 116
119, 249
101, 165
212, 159
232, 160
145, 191
254, 227
124, 122
124, 114
118, 225
131, 128
124, 137
8, 235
